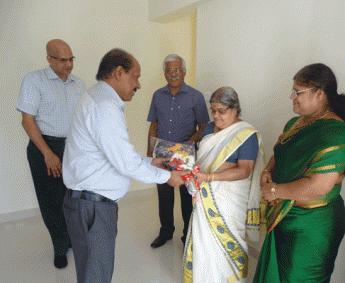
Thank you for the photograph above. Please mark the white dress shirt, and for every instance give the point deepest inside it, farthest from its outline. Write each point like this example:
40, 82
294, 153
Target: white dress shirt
98, 155
52, 101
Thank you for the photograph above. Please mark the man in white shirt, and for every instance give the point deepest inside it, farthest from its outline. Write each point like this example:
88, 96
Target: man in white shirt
47, 100
99, 162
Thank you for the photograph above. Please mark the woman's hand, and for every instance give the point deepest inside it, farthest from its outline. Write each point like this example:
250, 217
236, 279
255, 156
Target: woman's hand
266, 190
266, 177
201, 177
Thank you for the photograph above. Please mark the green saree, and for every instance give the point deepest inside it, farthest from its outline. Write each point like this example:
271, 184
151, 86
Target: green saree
303, 238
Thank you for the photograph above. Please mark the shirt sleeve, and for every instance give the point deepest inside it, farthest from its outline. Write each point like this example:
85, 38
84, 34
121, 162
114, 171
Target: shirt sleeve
112, 137
201, 112
29, 96
249, 149
152, 117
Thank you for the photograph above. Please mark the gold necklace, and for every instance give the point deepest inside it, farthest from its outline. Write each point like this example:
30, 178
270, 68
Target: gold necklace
285, 136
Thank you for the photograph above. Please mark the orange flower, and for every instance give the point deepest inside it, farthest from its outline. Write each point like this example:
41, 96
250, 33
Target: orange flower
175, 147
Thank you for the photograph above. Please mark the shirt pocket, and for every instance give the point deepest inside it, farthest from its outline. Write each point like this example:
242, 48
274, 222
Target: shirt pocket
186, 114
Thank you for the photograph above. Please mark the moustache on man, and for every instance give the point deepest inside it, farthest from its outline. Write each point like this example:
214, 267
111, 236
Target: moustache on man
174, 78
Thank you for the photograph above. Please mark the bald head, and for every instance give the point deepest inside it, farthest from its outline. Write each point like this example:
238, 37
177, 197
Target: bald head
60, 58
55, 46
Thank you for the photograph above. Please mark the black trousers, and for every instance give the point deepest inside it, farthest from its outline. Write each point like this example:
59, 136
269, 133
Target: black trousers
166, 199
50, 192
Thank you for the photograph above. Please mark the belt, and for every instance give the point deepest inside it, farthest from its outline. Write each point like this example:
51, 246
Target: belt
87, 195
50, 138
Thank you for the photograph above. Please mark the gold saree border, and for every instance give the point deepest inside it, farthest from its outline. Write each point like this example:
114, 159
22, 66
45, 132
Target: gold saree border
234, 278
229, 148
277, 212
254, 217
312, 203
234, 250
187, 269
308, 172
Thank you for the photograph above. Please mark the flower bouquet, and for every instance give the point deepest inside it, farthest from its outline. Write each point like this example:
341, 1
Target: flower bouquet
166, 149
182, 158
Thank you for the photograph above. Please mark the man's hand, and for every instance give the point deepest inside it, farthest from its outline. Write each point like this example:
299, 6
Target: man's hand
53, 164
175, 179
158, 162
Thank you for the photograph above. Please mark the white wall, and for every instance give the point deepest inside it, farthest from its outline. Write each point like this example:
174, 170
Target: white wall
165, 11
257, 46
91, 28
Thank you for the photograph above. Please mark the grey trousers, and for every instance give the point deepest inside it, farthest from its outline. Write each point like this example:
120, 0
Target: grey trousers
92, 227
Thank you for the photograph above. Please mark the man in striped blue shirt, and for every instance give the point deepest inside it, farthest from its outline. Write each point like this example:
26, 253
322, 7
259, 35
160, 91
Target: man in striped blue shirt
47, 100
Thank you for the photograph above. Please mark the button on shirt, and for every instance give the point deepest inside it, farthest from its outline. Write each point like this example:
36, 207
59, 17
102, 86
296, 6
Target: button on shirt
177, 116
99, 156
44, 95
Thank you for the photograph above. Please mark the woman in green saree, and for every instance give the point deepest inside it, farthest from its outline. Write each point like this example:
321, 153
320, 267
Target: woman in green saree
305, 213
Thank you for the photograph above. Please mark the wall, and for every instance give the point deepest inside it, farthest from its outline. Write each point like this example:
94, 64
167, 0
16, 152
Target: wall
257, 46
91, 29
165, 11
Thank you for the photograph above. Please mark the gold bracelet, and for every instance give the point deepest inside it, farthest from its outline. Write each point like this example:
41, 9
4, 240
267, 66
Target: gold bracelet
208, 177
273, 190
212, 177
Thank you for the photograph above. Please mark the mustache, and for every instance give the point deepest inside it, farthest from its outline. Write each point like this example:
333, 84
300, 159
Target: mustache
174, 78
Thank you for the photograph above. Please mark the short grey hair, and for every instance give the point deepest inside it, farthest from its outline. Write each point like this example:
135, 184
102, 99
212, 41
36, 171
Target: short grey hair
228, 96
173, 57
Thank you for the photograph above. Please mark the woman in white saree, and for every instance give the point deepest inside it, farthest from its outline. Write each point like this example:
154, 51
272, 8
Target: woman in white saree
228, 203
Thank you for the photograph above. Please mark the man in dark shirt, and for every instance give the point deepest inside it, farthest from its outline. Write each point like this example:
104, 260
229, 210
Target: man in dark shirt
178, 113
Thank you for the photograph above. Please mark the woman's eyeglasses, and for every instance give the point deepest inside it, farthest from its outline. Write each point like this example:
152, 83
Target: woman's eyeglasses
220, 111
296, 93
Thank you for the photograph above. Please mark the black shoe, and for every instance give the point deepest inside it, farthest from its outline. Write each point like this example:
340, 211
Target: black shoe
60, 261
160, 241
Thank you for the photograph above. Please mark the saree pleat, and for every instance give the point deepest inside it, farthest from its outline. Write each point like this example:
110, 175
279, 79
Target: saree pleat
303, 237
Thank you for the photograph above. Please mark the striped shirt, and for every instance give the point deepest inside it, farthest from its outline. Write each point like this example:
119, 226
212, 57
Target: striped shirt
44, 95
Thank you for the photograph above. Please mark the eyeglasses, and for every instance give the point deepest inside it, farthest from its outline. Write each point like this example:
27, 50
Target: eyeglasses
170, 71
296, 93
220, 111
63, 60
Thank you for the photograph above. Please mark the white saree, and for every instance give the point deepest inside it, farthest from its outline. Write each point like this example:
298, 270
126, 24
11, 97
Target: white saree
216, 250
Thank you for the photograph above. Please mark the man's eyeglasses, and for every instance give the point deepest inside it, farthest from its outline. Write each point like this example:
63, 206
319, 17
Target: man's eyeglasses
63, 60
296, 93
170, 71
220, 111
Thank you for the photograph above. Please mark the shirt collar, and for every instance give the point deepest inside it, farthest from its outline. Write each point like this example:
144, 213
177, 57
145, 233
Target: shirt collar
184, 88
113, 93
53, 76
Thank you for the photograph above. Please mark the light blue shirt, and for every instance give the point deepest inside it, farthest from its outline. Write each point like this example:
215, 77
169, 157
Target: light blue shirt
98, 155
44, 95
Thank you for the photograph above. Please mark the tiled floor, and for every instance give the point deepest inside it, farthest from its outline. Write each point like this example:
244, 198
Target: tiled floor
26, 253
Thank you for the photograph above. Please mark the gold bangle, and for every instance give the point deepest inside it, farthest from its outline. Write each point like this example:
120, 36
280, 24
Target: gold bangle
212, 177
208, 177
273, 190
